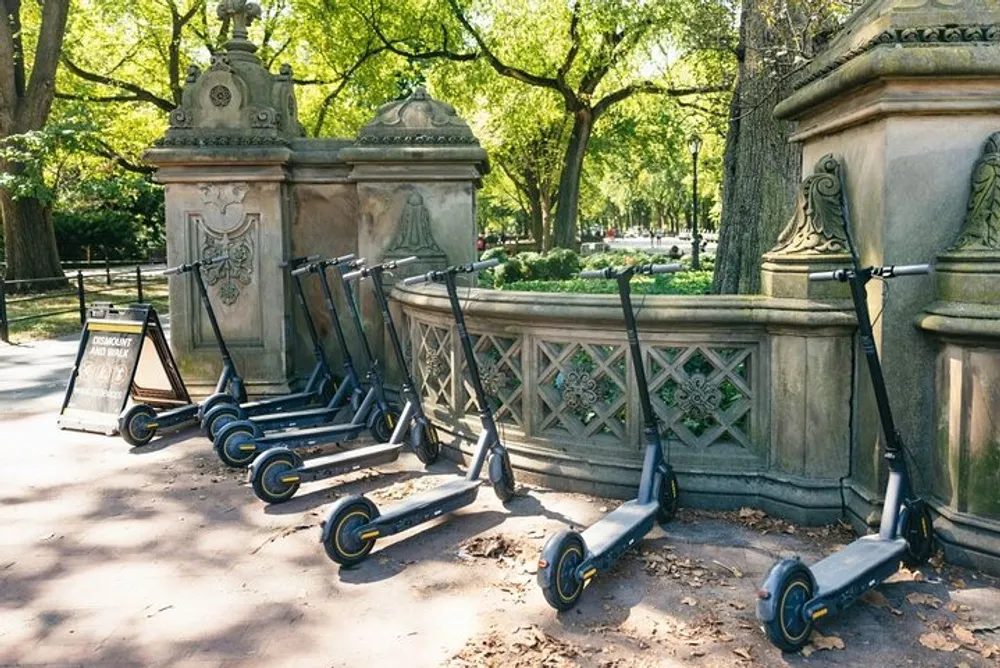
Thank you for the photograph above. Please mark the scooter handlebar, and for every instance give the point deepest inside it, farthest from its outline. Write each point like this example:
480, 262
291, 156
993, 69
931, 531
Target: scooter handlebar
183, 268
469, 268
664, 268
353, 275
596, 273
400, 263
836, 275
905, 270
304, 269
422, 278
296, 261
485, 264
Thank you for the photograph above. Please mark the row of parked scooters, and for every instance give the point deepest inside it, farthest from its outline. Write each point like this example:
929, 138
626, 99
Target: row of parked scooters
275, 437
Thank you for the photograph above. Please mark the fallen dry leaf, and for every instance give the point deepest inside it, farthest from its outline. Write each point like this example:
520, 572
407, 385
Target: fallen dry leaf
958, 583
918, 598
877, 599
938, 641
688, 600
743, 652
964, 635
818, 641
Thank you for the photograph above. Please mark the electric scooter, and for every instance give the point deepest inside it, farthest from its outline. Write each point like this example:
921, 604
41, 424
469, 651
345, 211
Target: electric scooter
276, 474
354, 523
793, 595
374, 414
347, 399
140, 422
570, 560
317, 388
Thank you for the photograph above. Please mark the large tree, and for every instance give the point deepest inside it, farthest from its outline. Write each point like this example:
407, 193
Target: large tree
761, 168
25, 102
591, 55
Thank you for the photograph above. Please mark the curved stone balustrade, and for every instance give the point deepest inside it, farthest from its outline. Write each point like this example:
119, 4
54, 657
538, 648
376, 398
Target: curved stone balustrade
752, 393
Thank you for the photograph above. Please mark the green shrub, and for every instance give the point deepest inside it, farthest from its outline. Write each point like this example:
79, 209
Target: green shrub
684, 283
497, 252
510, 271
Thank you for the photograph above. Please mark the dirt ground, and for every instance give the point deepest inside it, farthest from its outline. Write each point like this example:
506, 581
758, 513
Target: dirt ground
160, 556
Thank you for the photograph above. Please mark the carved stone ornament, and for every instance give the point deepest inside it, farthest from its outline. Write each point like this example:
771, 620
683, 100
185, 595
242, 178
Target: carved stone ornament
818, 224
579, 390
493, 377
413, 236
228, 230
697, 397
241, 13
434, 363
981, 230
418, 119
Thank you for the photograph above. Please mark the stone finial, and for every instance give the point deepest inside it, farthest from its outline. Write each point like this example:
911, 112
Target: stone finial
981, 230
242, 14
818, 224
417, 119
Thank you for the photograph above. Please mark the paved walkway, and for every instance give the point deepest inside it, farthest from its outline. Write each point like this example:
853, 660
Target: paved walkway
161, 557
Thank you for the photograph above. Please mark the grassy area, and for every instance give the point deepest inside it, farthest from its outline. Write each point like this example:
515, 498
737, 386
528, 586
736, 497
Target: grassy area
685, 283
122, 291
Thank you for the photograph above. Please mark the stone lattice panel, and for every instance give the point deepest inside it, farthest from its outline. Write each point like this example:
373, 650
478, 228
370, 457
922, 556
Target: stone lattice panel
432, 363
500, 360
582, 393
703, 394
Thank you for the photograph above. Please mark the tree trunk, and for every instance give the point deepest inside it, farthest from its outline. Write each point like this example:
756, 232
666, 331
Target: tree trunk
564, 234
761, 169
535, 210
30, 241
546, 213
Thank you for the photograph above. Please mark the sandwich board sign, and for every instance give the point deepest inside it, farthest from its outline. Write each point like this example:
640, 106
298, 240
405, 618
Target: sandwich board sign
123, 354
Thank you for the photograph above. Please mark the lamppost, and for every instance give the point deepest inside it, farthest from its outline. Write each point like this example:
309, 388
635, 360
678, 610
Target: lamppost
694, 144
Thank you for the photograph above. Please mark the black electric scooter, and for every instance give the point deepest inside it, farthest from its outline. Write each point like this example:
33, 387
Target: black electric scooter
277, 473
569, 559
793, 595
375, 415
354, 523
317, 388
140, 422
344, 403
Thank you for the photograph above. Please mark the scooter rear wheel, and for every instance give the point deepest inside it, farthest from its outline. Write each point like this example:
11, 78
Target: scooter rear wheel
219, 417
234, 450
557, 577
268, 473
425, 442
668, 498
789, 630
135, 429
502, 475
339, 541
918, 530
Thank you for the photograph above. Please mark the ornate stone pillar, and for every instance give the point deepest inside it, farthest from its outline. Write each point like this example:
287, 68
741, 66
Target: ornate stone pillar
903, 94
223, 162
417, 167
966, 323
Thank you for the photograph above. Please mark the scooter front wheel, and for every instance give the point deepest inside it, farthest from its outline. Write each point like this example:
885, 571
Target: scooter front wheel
668, 498
237, 447
272, 475
424, 440
340, 541
383, 424
135, 425
502, 475
557, 576
789, 628
918, 530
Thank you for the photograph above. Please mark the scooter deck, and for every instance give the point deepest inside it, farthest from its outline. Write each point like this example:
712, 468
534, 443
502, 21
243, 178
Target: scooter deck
856, 565
304, 438
310, 416
426, 505
352, 460
617, 531
277, 404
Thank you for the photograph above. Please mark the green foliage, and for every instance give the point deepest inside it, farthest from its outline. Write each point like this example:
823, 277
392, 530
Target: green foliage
495, 253
684, 283
118, 218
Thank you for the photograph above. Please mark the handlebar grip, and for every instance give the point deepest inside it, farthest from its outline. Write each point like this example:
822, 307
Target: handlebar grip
908, 270
215, 260
836, 275
172, 271
352, 275
596, 273
404, 261
343, 258
485, 264
304, 269
664, 268
416, 280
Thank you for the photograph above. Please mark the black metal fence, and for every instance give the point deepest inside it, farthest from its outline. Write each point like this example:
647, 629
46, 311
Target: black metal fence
84, 286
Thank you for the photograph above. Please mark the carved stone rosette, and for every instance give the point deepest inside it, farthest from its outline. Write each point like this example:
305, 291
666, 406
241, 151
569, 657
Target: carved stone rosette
227, 229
